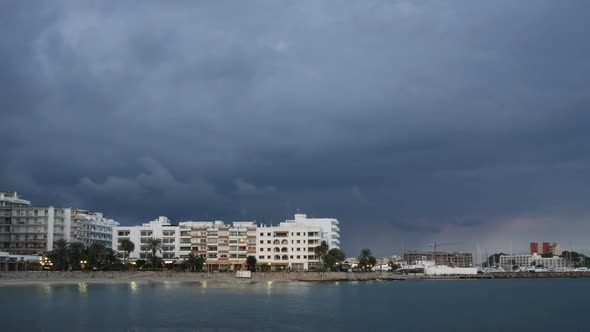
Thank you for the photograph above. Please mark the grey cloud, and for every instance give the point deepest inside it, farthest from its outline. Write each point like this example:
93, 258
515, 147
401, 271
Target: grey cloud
430, 114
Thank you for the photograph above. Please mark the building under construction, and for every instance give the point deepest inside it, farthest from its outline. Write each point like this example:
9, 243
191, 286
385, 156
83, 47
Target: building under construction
457, 259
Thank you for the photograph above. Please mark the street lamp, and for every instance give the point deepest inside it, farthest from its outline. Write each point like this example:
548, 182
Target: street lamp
83, 264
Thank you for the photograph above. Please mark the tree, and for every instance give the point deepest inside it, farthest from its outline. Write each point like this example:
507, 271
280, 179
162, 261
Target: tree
154, 245
321, 251
76, 253
96, 254
59, 255
394, 266
110, 256
140, 263
333, 257
251, 262
195, 262
366, 259
128, 246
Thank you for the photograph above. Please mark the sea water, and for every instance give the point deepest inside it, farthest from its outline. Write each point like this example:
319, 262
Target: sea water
429, 305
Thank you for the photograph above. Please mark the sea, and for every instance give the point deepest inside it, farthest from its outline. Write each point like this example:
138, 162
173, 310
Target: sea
413, 305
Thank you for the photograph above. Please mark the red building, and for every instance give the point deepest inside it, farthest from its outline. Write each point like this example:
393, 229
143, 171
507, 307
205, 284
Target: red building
534, 247
546, 248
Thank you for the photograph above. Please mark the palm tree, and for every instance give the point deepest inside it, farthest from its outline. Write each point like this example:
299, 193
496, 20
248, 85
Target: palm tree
155, 245
76, 254
96, 253
195, 262
128, 246
110, 256
321, 251
59, 255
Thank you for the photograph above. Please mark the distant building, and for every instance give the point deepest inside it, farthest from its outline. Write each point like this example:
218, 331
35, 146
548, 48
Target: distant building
32, 230
456, 259
508, 262
547, 248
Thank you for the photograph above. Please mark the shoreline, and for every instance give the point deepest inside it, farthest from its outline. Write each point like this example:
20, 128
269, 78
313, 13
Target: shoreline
33, 278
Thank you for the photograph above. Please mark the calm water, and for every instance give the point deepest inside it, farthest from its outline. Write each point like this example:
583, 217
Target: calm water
465, 305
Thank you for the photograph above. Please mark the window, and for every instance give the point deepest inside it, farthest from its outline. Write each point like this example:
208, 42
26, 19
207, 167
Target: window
260, 257
267, 257
261, 234
291, 256
261, 241
298, 233
298, 257
268, 241
298, 241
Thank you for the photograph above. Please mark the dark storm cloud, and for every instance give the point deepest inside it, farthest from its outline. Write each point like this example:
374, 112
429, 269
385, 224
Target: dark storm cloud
407, 120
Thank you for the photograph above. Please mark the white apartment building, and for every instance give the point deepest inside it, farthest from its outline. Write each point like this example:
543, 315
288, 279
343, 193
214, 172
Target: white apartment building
330, 232
507, 262
32, 230
290, 245
160, 228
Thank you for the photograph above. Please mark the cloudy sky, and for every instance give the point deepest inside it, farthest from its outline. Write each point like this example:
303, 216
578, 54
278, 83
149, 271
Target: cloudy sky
465, 122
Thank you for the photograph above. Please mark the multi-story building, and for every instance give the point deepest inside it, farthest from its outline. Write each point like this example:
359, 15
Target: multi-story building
456, 259
330, 232
290, 245
160, 228
224, 246
509, 262
26, 229
547, 248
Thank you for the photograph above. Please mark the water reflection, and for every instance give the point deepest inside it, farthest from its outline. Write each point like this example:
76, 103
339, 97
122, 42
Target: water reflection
47, 289
83, 288
133, 287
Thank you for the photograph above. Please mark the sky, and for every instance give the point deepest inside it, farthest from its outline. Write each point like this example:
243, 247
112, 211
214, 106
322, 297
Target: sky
411, 121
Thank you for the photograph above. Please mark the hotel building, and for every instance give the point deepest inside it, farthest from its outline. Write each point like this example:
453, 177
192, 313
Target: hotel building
32, 230
290, 245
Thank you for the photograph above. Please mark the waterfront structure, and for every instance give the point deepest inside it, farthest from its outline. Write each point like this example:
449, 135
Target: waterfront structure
456, 259
510, 262
289, 245
547, 248
160, 228
31, 230
330, 232
224, 246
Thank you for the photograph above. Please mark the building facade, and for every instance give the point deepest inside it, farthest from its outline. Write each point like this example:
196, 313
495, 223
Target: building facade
224, 246
32, 230
329, 230
547, 248
290, 245
160, 228
510, 262
456, 259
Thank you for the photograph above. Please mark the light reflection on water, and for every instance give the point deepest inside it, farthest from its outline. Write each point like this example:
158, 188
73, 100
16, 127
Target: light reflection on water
133, 287
83, 288
331, 306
